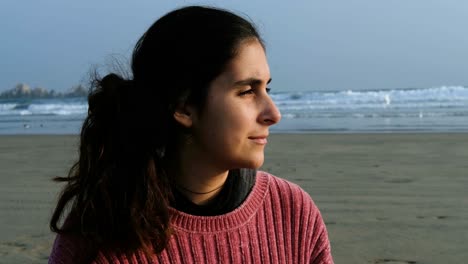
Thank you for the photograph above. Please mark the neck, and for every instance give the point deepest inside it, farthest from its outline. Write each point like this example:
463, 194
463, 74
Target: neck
200, 197
198, 181
196, 175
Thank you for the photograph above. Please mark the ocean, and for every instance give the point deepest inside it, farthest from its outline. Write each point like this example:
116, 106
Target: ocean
437, 109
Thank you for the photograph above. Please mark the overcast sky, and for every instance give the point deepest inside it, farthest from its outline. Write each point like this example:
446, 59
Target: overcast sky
311, 45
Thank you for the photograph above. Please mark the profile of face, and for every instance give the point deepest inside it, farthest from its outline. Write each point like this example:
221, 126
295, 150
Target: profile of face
232, 128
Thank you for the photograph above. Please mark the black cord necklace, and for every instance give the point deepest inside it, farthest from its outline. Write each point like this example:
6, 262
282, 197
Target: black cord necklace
200, 193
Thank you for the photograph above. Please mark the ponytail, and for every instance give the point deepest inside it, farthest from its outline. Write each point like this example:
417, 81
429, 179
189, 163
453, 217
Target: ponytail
117, 190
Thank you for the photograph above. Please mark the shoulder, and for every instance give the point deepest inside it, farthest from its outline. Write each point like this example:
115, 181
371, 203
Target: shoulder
290, 199
294, 207
286, 190
288, 202
70, 248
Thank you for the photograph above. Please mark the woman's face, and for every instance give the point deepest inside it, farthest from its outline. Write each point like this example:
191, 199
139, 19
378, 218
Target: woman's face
232, 129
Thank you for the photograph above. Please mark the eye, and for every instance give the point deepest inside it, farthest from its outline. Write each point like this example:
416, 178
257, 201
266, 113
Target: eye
250, 91
268, 89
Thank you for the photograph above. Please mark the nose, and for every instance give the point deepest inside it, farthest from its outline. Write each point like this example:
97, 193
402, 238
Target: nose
270, 114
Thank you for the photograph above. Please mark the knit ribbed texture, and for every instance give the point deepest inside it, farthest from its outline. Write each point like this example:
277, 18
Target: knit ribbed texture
277, 223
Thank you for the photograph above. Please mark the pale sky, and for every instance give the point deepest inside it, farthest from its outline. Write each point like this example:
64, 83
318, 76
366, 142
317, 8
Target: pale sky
311, 45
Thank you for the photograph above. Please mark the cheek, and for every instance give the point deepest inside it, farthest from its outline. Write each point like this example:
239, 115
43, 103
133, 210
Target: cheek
229, 116
226, 127
236, 124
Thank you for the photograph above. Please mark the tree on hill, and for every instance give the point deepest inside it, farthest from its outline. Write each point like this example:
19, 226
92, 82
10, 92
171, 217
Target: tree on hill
77, 91
22, 90
19, 91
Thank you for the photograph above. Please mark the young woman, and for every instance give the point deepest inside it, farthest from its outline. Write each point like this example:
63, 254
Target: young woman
168, 159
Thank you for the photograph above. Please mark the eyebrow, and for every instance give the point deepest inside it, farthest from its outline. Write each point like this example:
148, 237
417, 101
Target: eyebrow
250, 81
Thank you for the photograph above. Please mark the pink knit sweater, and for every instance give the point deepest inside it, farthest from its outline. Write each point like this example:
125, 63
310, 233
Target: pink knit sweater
278, 223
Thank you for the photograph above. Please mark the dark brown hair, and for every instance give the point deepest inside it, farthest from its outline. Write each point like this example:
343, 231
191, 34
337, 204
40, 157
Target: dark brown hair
118, 191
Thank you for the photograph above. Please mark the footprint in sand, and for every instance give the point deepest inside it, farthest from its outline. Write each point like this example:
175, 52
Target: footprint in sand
436, 217
394, 261
7, 248
401, 180
32, 247
381, 218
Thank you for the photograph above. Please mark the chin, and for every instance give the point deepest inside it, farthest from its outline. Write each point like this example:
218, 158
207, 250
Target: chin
254, 163
247, 162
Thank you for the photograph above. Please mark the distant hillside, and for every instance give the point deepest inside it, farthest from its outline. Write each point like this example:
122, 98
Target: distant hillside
21, 91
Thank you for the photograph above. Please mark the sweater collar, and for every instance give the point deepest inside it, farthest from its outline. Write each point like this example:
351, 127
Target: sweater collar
208, 224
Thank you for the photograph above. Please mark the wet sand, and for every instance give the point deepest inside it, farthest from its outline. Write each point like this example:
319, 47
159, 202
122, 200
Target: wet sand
386, 198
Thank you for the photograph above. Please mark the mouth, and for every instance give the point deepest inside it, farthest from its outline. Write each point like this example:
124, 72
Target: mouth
261, 140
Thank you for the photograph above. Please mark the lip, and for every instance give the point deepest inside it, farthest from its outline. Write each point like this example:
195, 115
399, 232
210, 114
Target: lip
261, 140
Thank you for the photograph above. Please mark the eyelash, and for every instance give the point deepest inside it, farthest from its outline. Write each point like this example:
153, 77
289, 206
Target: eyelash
251, 91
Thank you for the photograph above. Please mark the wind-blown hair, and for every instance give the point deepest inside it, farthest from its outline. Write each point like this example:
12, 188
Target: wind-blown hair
118, 192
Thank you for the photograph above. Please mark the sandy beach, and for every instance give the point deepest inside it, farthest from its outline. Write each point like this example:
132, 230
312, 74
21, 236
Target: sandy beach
386, 198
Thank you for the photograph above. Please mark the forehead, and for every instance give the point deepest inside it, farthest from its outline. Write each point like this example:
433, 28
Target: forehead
249, 62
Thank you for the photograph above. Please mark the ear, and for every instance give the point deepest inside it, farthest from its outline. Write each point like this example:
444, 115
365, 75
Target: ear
185, 115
